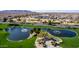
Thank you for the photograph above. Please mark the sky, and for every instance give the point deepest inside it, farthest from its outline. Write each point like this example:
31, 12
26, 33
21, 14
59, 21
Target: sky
39, 5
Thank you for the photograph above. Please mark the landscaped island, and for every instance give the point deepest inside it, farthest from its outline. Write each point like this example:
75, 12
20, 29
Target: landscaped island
28, 35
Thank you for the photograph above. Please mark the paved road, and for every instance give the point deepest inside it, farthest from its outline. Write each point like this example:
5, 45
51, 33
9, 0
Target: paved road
59, 25
8, 23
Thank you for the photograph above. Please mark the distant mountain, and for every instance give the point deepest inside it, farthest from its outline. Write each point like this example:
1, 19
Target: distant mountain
58, 11
15, 11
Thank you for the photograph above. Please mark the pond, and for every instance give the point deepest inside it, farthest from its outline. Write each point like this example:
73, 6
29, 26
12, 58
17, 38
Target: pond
17, 33
61, 33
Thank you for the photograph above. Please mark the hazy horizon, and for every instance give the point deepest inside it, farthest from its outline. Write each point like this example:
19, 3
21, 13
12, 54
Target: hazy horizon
71, 11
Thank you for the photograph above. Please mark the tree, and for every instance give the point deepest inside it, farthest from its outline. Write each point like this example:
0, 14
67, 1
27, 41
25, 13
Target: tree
31, 31
5, 19
36, 30
10, 20
49, 23
19, 19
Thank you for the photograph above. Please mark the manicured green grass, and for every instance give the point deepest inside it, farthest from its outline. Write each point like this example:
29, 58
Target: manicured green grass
27, 43
2, 26
71, 42
4, 43
68, 42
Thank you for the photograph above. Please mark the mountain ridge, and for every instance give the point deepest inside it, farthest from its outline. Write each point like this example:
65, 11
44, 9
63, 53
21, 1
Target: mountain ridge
14, 11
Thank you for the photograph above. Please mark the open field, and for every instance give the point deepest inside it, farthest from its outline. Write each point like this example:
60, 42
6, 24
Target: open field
68, 42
